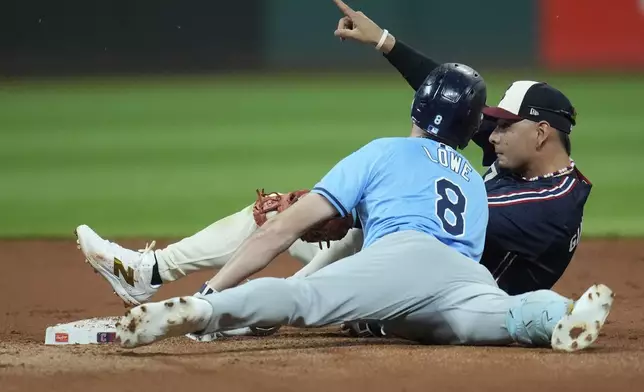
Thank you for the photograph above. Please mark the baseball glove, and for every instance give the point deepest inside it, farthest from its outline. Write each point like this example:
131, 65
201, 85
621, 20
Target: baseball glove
333, 229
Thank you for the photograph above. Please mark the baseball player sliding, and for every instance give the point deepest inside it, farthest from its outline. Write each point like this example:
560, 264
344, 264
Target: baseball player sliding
423, 213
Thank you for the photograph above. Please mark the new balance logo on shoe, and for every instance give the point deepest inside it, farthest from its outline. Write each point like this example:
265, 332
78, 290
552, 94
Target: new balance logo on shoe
120, 271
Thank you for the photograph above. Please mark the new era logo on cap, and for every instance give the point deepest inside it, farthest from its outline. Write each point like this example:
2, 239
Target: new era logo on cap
535, 101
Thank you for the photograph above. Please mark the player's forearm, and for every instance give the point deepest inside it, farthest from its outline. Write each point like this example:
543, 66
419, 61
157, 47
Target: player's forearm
253, 256
412, 65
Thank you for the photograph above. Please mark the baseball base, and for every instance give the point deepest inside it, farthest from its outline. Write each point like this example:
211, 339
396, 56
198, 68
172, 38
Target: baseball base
101, 330
89, 331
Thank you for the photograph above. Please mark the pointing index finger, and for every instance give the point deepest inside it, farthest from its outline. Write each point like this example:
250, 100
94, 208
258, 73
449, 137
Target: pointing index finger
348, 11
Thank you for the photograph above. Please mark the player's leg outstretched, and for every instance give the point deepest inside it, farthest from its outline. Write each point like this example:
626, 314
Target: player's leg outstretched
136, 276
314, 259
443, 299
538, 319
379, 282
479, 313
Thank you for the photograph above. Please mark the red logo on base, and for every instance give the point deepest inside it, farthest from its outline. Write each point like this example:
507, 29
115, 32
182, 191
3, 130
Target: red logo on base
62, 338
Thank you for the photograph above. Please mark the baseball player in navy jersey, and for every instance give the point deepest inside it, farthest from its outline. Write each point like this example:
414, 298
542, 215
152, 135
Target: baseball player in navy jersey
536, 193
423, 214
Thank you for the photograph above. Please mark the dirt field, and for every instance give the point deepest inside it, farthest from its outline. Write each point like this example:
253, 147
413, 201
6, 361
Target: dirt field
46, 282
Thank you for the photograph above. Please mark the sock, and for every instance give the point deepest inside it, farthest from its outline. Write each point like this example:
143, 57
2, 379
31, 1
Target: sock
156, 278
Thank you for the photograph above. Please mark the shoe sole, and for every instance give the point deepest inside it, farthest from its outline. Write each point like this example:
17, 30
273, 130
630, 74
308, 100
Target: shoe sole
151, 322
580, 328
128, 300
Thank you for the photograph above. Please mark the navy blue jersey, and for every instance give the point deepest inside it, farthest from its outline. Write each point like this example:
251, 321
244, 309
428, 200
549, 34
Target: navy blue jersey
534, 228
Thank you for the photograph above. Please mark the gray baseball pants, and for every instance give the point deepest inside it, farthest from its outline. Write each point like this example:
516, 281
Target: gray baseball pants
420, 289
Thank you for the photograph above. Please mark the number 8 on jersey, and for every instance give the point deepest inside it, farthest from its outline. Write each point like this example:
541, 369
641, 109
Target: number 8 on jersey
450, 207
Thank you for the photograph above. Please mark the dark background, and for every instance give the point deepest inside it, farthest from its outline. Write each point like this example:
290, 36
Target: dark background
81, 37
76, 36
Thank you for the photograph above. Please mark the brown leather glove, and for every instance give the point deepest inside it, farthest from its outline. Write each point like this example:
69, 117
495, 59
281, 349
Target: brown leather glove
333, 229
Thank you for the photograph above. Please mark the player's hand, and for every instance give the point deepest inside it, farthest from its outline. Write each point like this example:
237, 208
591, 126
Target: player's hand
357, 26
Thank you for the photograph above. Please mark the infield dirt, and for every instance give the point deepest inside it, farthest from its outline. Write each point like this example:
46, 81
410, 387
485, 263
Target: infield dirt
47, 282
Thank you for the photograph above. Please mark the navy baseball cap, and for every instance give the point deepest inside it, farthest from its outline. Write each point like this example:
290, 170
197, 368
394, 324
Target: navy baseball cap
535, 101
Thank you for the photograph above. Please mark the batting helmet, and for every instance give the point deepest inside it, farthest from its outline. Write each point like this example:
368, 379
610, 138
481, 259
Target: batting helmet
448, 104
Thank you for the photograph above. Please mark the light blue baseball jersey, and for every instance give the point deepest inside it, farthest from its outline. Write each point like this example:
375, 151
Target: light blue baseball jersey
410, 183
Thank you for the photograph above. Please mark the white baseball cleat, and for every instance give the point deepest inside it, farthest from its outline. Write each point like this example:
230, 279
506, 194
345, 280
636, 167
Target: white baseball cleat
579, 328
151, 322
127, 271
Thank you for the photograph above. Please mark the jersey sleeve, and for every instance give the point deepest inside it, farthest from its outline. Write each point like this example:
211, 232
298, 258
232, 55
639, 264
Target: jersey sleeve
412, 65
344, 185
